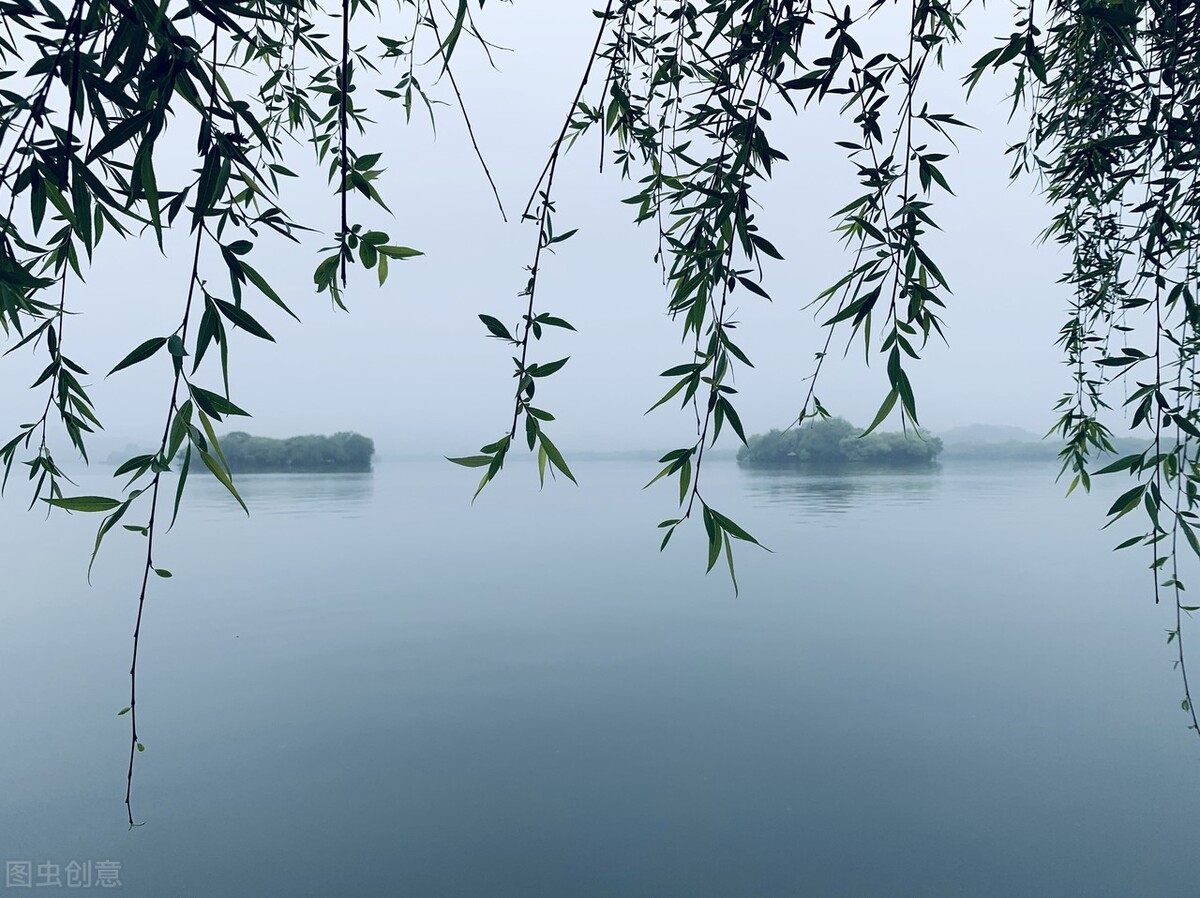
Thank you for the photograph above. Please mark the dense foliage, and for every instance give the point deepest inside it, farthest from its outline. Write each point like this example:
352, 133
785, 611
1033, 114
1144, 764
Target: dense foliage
310, 454
683, 102
835, 441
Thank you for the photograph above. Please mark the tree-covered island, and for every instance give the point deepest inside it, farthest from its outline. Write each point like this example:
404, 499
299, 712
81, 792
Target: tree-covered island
835, 441
308, 454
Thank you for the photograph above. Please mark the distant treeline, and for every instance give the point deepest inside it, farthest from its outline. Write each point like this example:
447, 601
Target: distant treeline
1009, 450
340, 452
1024, 450
835, 441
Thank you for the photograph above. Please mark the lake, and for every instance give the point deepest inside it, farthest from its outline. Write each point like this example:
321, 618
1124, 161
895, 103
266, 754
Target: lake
941, 682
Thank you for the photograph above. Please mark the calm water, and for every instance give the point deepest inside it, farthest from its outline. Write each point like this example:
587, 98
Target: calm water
940, 683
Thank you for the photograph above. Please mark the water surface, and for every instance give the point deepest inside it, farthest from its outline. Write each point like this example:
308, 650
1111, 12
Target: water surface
941, 682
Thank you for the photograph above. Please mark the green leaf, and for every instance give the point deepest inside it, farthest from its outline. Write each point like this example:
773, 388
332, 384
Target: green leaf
732, 416
1128, 463
555, 457
496, 327
729, 562
669, 469
733, 529
183, 476
268, 291
195, 435
109, 522
84, 503
222, 475
122, 133
183, 417
753, 287
399, 252
1191, 535
1126, 502
551, 321
471, 461
144, 168
1185, 425
214, 404
138, 461
714, 538
884, 410
368, 255
547, 369
243, 319
141, 353
531, 430
666, 396
365, 162
446, 49
765, 246
681, 369
666, 538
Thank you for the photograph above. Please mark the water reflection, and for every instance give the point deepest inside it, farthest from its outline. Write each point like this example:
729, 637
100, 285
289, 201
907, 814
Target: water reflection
814, 491
295, 495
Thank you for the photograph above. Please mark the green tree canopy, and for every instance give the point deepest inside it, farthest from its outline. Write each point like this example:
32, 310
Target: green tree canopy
835, 441
312, 454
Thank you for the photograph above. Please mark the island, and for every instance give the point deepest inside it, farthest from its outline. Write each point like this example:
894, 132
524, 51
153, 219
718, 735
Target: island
835, 441
302, 454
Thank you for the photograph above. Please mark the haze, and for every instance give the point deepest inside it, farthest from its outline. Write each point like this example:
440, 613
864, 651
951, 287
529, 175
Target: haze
411, 366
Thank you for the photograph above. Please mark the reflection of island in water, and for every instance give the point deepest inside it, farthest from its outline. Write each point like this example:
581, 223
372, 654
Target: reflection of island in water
299, 477
819, 490
340, 453
297, 496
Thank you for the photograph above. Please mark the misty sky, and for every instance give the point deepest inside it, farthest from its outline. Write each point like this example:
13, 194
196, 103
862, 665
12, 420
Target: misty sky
410, 365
